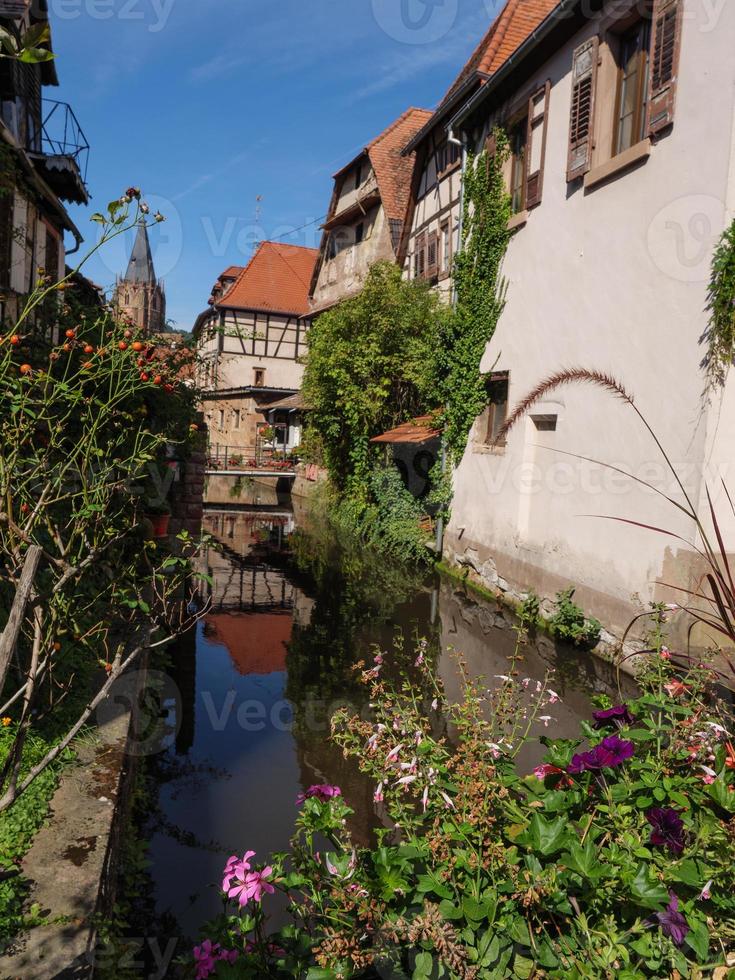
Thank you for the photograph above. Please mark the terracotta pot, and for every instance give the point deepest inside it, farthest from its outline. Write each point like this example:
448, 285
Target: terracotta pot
160, 524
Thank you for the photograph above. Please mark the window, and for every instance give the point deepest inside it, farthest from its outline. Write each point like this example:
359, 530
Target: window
497, 409
632, 93
446, 156
446, 247
259, 377
359, 233
221, 419
432, 255
518, 138
236, 418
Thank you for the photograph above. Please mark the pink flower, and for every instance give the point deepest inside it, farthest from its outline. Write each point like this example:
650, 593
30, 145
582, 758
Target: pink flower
257, 884
706, 893
495, 750
393, 754
545, 719
665, 653
419, 660
709, 775
378, 795
425, 798
447, 800
205, 957
372, 743
553, 697
405, 780
378, 659
236, 867
321, 792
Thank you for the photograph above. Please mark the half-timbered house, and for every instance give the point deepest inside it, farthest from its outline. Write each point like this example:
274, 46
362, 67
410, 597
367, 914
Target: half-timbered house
251, 342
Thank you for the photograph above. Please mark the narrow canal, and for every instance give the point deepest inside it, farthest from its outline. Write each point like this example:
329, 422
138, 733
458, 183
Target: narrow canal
293, 608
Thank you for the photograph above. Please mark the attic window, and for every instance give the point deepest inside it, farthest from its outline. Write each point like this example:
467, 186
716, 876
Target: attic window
259, 377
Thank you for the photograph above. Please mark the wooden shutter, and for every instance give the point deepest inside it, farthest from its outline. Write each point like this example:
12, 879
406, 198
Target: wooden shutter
52, 255
538, 118
491, 149
664, 69
420, 257
582, 116
6, 234
432, 256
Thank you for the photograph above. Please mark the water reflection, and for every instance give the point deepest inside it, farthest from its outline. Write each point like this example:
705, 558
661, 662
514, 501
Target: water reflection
293, 609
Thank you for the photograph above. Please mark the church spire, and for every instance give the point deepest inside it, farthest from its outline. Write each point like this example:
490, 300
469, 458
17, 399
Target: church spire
140, 266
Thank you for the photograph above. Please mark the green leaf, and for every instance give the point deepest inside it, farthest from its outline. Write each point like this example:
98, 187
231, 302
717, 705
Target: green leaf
523, 968
317, 973
546, 836
424, 966
721, 794
649, 893
583, 860
698, 940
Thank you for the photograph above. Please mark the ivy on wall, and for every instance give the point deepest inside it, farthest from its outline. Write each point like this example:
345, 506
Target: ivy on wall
721, 305
480, 294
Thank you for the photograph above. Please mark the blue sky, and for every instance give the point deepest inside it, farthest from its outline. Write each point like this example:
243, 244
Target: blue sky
208, 104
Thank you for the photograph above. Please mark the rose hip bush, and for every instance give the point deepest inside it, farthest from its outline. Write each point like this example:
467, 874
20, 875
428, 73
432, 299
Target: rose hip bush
614, 858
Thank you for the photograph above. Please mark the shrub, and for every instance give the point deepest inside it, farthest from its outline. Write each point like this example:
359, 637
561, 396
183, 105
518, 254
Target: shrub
611, 859
570, 624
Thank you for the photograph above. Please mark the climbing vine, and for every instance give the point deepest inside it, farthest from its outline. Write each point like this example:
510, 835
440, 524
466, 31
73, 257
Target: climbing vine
480, 294
721, 306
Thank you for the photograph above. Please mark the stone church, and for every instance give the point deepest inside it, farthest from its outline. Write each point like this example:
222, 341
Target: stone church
139, 295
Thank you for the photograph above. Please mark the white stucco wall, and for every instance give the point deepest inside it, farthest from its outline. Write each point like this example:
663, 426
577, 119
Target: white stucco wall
611, 278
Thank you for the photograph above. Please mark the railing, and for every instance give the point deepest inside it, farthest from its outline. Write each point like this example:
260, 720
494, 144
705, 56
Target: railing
61, 135
264, 459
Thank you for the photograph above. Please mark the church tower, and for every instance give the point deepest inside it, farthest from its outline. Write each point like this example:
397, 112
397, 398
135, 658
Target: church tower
139, 295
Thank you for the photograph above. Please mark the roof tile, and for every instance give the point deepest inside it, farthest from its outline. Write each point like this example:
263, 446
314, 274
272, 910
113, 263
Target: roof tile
276, 279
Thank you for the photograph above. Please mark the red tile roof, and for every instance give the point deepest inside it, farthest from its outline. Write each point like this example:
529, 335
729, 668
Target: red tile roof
232, 272
515, 22
418, 431
393, 171
276, 280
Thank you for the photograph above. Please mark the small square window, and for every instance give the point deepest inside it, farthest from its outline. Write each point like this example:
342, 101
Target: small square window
221, 418
236, 418
359, 233
259, 377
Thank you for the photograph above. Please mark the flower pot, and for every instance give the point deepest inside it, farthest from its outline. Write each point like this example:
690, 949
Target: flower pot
160, 524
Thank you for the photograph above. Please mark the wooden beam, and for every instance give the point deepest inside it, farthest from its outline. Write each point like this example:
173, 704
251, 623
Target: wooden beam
9, 638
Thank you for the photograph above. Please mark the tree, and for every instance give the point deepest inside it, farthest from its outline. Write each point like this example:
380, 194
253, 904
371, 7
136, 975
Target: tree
370, 367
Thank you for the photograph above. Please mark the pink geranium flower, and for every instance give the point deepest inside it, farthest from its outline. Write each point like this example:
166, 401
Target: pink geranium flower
205, 958
322, 792
257, 884
236, 867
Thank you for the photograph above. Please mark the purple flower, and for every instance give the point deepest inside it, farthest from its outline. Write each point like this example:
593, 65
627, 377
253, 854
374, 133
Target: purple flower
205, 958
612, 751
672, 922
668, 828
323, 793
619, 715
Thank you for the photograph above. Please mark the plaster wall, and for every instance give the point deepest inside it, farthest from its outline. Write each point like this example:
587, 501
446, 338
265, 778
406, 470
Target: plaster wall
611, 277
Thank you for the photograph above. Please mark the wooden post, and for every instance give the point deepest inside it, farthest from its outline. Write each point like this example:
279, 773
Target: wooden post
9, 637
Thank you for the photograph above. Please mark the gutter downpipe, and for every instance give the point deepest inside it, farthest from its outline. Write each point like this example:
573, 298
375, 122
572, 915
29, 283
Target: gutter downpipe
451, 138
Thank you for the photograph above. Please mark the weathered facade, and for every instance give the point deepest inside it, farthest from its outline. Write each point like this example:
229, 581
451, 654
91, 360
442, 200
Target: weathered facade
251, 342
622, 126
139, 296
43, 156
367, 217
434, 212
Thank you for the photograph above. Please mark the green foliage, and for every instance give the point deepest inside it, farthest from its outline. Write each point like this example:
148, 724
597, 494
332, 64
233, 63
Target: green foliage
570, 624
529, 608
480, 292
721, 305
496, 874
370, 366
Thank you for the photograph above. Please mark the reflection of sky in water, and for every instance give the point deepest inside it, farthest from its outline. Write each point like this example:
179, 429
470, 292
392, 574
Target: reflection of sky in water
232, 777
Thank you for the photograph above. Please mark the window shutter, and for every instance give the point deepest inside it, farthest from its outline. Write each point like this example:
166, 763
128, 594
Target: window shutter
432, 256
6, 234
665, 47
420, 257
582, 117
538, 117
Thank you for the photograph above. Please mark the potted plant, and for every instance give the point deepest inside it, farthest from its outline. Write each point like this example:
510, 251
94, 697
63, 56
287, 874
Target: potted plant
159, 514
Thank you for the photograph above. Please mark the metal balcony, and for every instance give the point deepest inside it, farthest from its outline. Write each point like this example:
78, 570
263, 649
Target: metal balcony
64, 154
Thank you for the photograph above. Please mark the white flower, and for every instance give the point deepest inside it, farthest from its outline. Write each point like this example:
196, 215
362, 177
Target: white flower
435, 704
553, 697
706, 893
503, 677
446, 799
545, 719
378, 794
405, 780
718, 729
393, 754
425, 798
495, 750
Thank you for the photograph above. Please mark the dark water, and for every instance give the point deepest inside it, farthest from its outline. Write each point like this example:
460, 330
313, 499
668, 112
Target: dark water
292, 611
